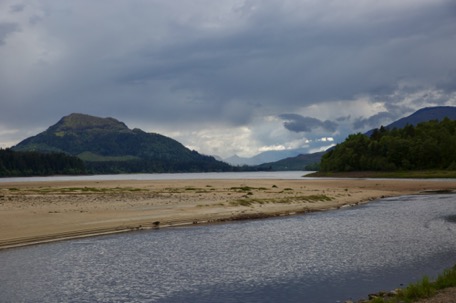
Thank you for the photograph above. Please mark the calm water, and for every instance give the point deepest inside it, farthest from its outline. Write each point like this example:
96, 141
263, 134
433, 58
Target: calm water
288, 175
320, 257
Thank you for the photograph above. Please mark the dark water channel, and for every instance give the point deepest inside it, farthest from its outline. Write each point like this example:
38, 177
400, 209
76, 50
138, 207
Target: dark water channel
320, 257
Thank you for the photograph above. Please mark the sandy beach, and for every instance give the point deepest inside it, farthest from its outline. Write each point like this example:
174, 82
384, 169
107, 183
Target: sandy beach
37, 212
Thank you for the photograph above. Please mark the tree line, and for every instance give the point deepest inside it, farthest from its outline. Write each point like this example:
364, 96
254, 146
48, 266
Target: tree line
19, 164
428, 145
25, 163
151, 165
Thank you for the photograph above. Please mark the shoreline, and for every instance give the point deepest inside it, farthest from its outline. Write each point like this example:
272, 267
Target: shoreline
41, 212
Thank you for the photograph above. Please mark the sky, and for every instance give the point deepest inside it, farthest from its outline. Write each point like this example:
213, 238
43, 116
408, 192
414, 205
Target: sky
226, 77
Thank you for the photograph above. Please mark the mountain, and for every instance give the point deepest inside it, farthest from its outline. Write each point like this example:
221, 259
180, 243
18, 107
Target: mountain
264, 157
423, 115
107, 145
429, 145
300, 162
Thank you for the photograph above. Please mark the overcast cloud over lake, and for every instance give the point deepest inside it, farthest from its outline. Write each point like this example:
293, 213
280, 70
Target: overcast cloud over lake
226, 77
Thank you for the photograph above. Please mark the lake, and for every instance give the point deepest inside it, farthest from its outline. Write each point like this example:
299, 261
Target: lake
319, 257
288, 175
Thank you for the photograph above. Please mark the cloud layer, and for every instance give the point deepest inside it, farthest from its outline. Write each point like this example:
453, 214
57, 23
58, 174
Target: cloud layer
210, 73
298, 123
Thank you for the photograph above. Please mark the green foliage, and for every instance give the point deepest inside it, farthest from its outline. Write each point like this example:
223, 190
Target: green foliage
424, 288
446, 279
91, 157
15, 164
420, 289
429, 145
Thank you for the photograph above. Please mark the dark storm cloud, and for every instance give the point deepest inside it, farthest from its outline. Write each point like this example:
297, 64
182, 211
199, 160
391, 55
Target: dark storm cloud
298, 123
342, 119
448, 84
16, 8
274, 58
200, 64
7, 29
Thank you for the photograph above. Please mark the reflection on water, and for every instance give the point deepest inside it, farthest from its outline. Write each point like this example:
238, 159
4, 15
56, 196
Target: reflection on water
319, 257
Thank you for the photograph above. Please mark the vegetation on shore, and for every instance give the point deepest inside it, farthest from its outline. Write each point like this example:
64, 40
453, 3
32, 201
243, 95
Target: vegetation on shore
425, 288
21, 164
428, 146
410, 174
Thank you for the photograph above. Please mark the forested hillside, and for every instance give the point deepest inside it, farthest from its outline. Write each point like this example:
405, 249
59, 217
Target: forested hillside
15, 164
107, 145
429, 145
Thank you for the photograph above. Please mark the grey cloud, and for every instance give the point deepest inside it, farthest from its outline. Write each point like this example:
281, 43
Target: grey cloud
342, 119
393, 113
448, 84
298, 123
374, 121
177, 64
16, 8
284, 60
6, 29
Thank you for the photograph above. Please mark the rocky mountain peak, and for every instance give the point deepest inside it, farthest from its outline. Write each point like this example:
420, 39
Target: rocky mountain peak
82, 122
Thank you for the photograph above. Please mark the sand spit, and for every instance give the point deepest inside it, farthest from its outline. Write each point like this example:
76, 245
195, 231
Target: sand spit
38, 212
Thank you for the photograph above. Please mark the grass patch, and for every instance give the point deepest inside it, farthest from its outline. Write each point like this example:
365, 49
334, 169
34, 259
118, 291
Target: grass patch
425, 288
317, 198
242, 202
210, 205
285, 200
242, 188
196, 190
246, 188
86, 190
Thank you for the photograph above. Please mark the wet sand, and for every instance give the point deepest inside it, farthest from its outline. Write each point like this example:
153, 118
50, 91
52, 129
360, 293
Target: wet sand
38, 212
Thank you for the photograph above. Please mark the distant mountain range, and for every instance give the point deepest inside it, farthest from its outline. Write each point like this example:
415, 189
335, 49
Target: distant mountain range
107, 145
264, 157
300, 162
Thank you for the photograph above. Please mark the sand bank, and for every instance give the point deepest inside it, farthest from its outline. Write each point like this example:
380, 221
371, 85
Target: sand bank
37, 212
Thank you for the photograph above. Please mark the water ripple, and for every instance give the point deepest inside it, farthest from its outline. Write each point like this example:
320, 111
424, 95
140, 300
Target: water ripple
319, 257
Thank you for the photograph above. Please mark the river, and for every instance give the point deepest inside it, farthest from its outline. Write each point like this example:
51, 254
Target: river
320, 257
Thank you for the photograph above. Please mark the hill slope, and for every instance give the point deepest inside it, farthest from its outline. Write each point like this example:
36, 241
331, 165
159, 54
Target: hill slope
109, 146
423, 115
264, 157
300, 162
429, 145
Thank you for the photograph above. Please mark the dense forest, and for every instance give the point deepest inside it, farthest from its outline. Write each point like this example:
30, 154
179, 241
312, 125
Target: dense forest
150, 165
428, 145
18, 164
